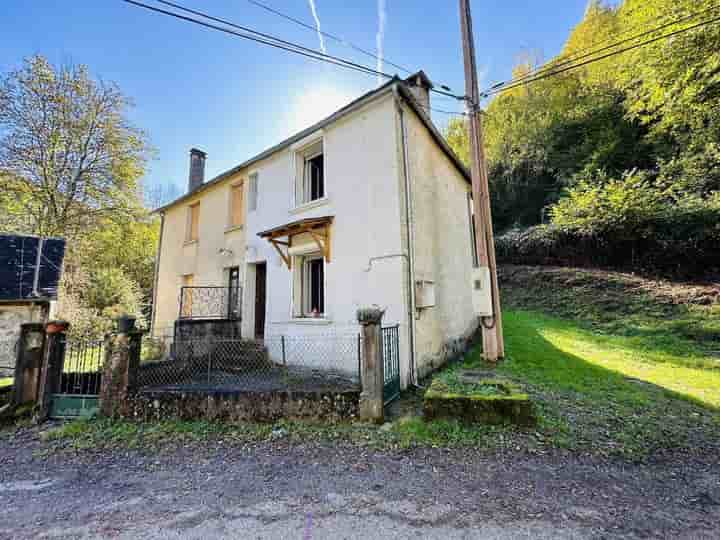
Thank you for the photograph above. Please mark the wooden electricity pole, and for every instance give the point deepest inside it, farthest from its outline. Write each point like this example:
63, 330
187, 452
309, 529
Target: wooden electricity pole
493, 342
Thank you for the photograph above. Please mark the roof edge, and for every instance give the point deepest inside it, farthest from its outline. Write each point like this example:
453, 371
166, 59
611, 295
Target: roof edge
347, 109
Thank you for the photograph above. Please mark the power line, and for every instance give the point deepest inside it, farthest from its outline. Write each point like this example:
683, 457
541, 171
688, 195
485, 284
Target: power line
603, 57
267, 39
328, 35
574, 57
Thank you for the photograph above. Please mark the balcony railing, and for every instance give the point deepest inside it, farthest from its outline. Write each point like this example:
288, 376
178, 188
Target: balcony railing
210, 303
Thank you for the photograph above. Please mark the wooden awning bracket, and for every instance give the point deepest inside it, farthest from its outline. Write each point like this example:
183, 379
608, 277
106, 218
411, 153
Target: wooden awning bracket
285, 257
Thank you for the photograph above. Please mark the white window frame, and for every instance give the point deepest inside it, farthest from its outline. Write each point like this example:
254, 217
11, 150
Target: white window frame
253, 191
301, 287
302, 188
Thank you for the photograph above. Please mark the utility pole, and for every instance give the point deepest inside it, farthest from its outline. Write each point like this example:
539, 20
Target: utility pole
492, 334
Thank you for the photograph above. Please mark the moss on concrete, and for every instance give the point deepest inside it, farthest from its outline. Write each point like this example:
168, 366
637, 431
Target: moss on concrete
481, 398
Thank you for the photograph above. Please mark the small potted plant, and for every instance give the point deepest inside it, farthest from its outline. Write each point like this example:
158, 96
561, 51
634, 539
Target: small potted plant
53, 327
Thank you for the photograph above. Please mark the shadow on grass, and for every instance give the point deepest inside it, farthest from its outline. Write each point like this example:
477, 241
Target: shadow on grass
597, 395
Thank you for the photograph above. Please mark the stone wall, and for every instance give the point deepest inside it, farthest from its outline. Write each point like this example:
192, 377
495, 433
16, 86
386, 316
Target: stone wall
11, 317
243, 406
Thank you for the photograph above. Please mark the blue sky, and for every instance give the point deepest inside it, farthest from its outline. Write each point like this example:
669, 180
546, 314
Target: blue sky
234, 98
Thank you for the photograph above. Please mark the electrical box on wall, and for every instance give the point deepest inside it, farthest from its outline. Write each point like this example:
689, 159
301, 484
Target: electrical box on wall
481, 292
424, 294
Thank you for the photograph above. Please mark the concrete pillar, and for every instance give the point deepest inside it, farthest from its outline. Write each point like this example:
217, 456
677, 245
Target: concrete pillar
122, 357
52, 365
372, 374
28, 363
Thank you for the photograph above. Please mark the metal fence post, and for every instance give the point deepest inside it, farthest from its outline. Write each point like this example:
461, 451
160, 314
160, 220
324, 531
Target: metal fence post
52, 365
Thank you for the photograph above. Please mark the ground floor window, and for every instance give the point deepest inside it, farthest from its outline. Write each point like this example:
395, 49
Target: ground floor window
309, 286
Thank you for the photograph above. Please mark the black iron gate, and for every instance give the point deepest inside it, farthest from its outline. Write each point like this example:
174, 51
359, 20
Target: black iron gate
391, 362
78, 382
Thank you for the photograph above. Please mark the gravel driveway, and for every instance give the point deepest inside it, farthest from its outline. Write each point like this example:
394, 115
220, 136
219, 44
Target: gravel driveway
277, 489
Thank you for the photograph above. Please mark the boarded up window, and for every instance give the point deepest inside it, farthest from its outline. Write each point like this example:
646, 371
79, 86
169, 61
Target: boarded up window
193, 228
236, 205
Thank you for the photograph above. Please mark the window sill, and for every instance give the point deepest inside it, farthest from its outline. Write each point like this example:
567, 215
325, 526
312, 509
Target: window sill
189, 242
310, 320
233, 228
309, 205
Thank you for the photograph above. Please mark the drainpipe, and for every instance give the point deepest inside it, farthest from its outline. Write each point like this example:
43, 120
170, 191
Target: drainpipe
157, 275
410, 234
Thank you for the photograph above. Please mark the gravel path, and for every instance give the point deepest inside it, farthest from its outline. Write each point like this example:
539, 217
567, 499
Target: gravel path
277, 489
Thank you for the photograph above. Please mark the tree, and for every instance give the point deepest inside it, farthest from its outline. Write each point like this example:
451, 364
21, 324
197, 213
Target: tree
68, 155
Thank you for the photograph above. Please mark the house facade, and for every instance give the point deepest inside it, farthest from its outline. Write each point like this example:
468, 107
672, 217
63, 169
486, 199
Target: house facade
368, 207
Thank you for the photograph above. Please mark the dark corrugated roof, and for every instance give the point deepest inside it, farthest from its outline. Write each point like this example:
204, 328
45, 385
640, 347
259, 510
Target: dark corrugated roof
18, 265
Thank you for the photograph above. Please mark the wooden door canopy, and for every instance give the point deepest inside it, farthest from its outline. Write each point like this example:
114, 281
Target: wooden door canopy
281, 237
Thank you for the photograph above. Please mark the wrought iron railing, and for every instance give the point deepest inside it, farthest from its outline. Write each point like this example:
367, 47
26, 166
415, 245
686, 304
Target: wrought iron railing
210, 303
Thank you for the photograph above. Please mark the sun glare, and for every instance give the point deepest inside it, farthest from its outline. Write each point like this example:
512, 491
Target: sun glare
315, 104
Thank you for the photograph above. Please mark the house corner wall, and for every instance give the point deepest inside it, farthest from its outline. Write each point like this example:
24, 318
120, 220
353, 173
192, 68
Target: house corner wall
442, 250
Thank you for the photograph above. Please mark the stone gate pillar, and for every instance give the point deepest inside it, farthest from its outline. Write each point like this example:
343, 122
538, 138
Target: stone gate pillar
28, 363
372, 374
122, 358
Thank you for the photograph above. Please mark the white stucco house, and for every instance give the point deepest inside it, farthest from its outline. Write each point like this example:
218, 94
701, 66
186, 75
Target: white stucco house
369, 206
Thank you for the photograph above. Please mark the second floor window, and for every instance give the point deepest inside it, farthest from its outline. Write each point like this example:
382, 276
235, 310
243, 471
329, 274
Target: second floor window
253, 192
236, 205
193, 223
311, 181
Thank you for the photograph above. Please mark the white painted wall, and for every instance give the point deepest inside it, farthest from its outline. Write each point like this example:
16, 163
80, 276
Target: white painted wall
442, 247
361, 185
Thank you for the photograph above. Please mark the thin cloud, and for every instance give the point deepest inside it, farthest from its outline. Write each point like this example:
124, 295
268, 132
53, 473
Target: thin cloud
380, 38
317, 25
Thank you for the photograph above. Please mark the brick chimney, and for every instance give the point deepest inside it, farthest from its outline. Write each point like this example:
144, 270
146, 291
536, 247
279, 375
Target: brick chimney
419, 85
197, 169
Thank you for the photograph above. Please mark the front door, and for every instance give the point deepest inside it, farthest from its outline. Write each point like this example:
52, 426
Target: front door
260, 283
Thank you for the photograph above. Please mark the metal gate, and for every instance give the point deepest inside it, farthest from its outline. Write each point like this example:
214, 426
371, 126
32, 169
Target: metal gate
391, 363
78, 383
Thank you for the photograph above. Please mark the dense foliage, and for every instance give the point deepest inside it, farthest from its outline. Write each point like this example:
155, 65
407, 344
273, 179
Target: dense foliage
70, 166
619, 158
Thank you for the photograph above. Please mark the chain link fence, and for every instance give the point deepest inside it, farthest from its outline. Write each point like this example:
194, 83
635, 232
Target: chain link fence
277, 363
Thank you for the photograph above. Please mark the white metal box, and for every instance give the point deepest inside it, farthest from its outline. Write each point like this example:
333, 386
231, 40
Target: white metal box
481, 292
424, 294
